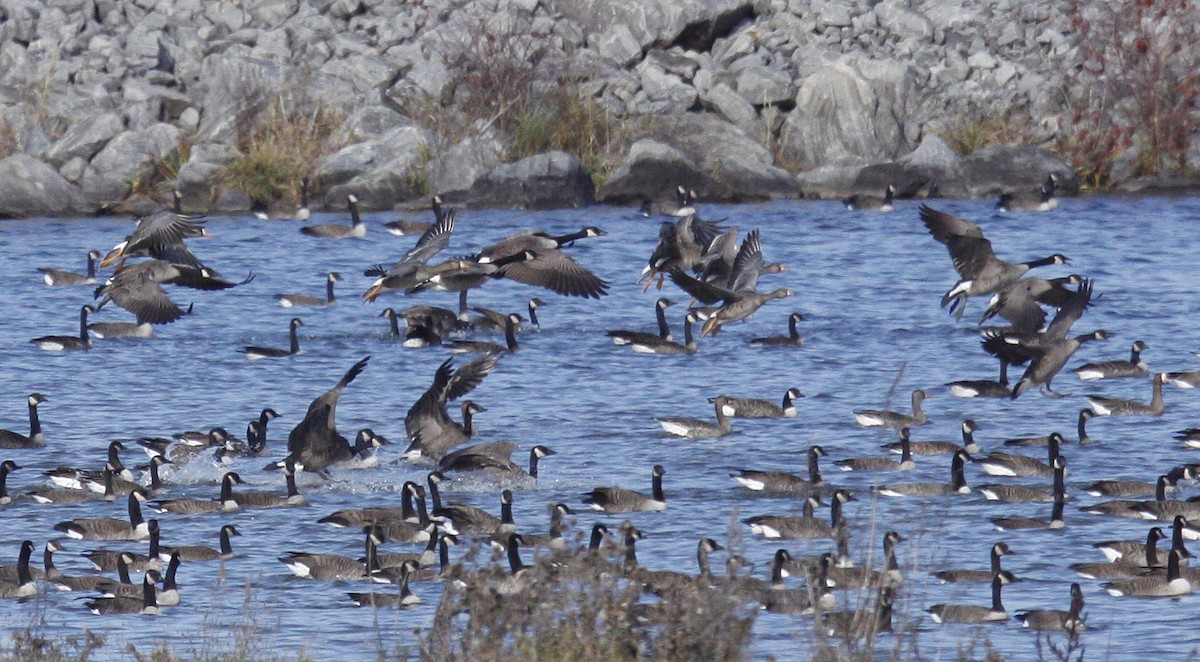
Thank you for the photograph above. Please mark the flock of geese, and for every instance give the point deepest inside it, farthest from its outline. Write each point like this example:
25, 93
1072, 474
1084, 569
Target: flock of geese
718, 270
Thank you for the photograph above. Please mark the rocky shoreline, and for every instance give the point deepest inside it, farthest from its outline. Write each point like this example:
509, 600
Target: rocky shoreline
107, 104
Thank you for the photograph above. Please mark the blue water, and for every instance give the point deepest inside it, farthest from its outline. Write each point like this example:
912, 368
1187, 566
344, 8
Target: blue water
868, 284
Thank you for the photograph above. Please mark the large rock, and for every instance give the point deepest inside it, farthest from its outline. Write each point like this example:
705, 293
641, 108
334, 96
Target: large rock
459, 167
125, 160
381, 172
85, 138
652, 170
1003, 168
693, 24
29, 187
543, 181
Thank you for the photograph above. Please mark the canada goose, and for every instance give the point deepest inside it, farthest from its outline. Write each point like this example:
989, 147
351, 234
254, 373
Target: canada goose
315, 443
1085, 415
1134, 367
463, 275
426, 558
359, 517
224, 503
402, 599
77, 479
147, 604
138, 289
461, 519
633, 337
906, 462
283, 209
843, 574
293, 497
1070, 621
1043, 369
1142, 553
518, 578
107, 528
1137, 488
1056, 520
1020, 302
63, 343
108, 560
780, 600
874, 418
620, 500
944, 613
290, 300
411, 268
167, 597
112, 330
122, 487
36, 438
1007, 464
157, 233
475, 346
957, 484
1024, 494
1190, 437
476, 458
648, 344
356, 229
490, 320
934, 447
26, 586
802, 528
1188, 379
554, 538
981, 272
425, 326
1166, 509
1042, 200
863, 622
60, 278
549, 267
868, 202
668, 583
200, 553
1115, 407
6, 467
1154, 586
752, 408
792, 339
77, 494
683, 198
1049, 351
694, 428
982, 388
1129, 508
783, 481
12, 573
334, 567
428, 424
274, 352
964, 576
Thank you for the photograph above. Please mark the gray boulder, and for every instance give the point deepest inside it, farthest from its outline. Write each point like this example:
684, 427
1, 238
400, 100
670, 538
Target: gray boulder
380, 172
543, 181
652, 170
459, 167
1003, 168
693, 24
85, 138
127, 158
29, 187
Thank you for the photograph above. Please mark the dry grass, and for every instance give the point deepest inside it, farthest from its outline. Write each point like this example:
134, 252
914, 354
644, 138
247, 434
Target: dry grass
967, 134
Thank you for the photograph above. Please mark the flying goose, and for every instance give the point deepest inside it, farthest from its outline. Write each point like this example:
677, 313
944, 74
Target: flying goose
1085, 415
357, 229
146, 605
1116, 407
138, 289
753, 408
694, 428
1020, 302
1057, 620
475, 459
476, 346
60, 278
62, 343
226, 502
429, 427
1154, 586
649, 344
253, 353
1056, 520
36, 438
107, 528
804, 527
906, 462
1134, 367
736, 309
620, 500
634, 337
290, 300
936, 447
783, 481
1042, 200
463, 275
792, 339
1046, 366
411, 268
868, 202
491, 320
957, 484
721, 266
949, 613
1049, 351
1008, 464
402, 599
200, 553
549, 267
964, 576
315, 443
874, 418
157, 234
1025, 494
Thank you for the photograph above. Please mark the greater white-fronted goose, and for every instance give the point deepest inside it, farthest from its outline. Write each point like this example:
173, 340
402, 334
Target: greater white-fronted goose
1041, 200
1117, 407
694, 428
938, 447
156, 234
783, 481
950, 613
966, 576
792, 339
549, 267
357, 229
621, 500
290, 300
957, 484
1057, 620
253, 353
1134, 367
64, 343
874, 418
476, 346
804, 527
410, 269
36, 438
681, 245
60, 278
754, 408
108, 528
634, 337
431, 430
737, 309
870, 202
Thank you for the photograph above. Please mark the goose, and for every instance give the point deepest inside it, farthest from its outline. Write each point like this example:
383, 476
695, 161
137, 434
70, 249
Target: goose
78, 479
425, 326
26, 586
1188, 379
949, 613
1116, 407
1049, 351
402, 599
1085, 415
1020, 303
334, 567
721, 266
108, 560
648, 344
225, 503
283, 210
1024, 494
411, 269
476, 459
982, 388
935, 447
200, 553
957, 484
554, 538
981, 272
1134, 367
475, 346
63, 582
146, 605
114, 330
138, 289
315, 443
248, 500
253, 353
874, 418
107, 528
1056, 520
964, 576
36, 438
863, 622
1008, 464
64, 343
620, 500
463, 275
633, 337
1190, 437
12, 573
549, 267
739, 310
1127, 507
490, 320
792, 339
290, 300
1043, 200
867, 202
168, 596
431, 430
906, 462
79, 494
359, 517
60, 278
122, 487
424, 559
357, 229
780, 600
1137, 488
6, 467
1057, 620
783, 481
1154, 586
158, 233
683, 198
519, 577
804, 527
694, 428
844, 575
1139, 552
681, 245
752, 408
1166, 509
669, 583
461, 519
402, 228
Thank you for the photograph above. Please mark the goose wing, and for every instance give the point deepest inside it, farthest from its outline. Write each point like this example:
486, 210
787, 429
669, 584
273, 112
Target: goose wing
707, 293
557, 271
748, 264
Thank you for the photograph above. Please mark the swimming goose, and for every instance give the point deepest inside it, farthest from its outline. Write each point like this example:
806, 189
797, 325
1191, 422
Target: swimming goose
283, 209
778, 599
1085, 415
62, 343
1025, 494
138, 289
490, 320
36, 438
549, 267
983, 388
1057, 620
78, 494
402, 599
402, 228
783, 481
868, 202
335, 567
682, 198
634, 337
1008, 464
519, 577
1137, 488
113, 330
957, 484
122, 487
554, 538
1056, 520
200, 553
668, 584
158, 233
649, 344
620, 500
935, 447
949, 613
475, 346
461, 519
411, 268
247, 500
981, 272
1188, 379
107, 528
1154, 586
1167, 509
1128, 507
290, 300
1116, 407
425, 326
146, 605
753, 408
474, 458
843, 574
792, 339
803, 527
1134, 367
431, 430
274, 352
315, 443
964, 576
357, 229
1190, 437
906, 462
26, 585
861, 623
167, 597
359, 517
60, 278
78, 479
6, 467
1139, 552
874, 418
12, 573
224, 503
1042, 200
694, 428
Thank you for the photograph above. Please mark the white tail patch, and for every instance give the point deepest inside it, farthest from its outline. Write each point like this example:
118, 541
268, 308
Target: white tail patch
750, 483
992, 469
1088, 374
868, 419
675, 427
963, 391
51, 346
